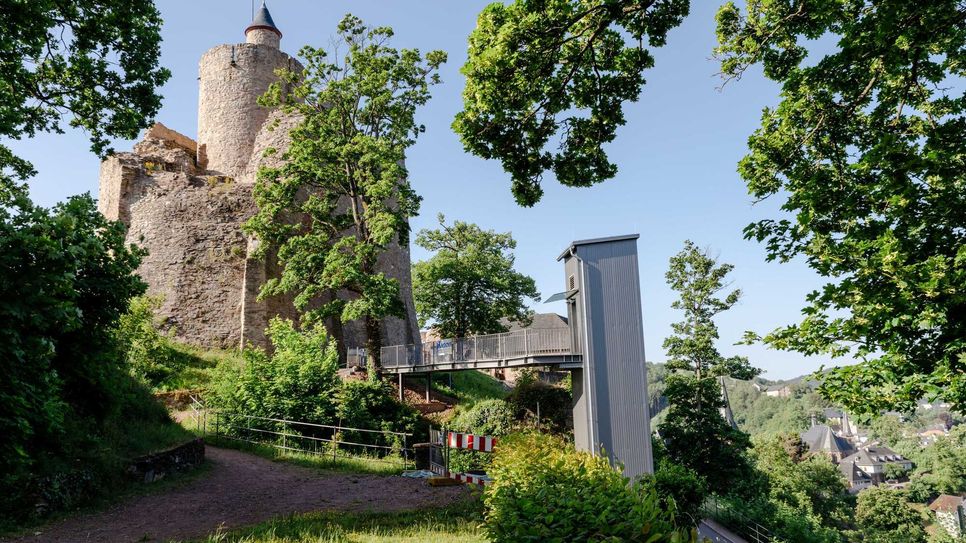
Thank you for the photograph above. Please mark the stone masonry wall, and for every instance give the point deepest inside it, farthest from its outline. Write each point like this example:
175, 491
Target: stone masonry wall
231, 78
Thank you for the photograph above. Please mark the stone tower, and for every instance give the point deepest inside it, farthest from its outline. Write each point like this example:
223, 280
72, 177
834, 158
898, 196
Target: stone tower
231, 78
185, 203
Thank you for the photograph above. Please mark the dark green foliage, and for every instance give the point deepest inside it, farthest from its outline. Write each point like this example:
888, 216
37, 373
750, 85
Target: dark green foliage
807, 492
489, 417
371, 405
544, 490
546, 81
96, 61
297, 381
340, 197
681, 489
883, 516
698, 437
939, 467
554, 403
66, 277
866, 151
469, 285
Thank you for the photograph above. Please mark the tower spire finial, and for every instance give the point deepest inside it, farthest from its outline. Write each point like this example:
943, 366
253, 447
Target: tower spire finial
262, 27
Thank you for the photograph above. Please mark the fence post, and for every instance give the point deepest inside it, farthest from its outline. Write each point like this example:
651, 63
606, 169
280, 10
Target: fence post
405, 452
526, 342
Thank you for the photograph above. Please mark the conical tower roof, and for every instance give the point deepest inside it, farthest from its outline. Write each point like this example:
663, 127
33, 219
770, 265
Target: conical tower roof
263, 19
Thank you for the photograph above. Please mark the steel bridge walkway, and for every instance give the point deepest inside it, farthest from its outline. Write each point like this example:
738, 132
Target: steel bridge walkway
520, 348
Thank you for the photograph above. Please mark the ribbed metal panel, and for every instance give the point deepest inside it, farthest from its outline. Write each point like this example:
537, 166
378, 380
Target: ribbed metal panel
614, 377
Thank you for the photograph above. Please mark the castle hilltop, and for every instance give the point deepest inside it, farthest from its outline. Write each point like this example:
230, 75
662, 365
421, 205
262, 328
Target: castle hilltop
185, 201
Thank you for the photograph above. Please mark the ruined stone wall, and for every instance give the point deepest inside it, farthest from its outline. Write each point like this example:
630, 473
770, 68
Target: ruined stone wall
231, 78
191, 228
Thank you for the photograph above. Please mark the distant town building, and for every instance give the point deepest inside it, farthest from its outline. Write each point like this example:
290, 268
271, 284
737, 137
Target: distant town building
783, 391
873, 461
949, 514
855, 478
821, 439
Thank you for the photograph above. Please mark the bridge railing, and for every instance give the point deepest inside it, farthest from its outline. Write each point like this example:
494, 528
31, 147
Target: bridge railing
508, 345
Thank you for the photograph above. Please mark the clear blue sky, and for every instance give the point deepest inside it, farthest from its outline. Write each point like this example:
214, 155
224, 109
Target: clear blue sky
677, 157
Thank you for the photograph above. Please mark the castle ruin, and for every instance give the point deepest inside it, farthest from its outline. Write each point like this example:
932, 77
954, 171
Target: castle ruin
185, 202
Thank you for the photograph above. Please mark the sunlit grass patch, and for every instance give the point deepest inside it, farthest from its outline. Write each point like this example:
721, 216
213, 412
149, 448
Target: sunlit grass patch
456, 524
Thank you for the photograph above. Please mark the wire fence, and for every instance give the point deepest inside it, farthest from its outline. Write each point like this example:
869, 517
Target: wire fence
324, 440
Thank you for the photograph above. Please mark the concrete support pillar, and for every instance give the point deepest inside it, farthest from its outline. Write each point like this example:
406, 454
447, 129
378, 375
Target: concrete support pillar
429, 384
400, 386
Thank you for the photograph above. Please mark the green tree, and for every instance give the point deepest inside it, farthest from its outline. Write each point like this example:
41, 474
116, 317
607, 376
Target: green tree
883, 516
469, 285
93, 61
554, 74
296, 381
66, 276
340, 196
695, 433
803, 485
866, 149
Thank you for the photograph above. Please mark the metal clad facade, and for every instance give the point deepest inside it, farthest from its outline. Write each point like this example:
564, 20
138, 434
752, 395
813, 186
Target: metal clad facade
614, 370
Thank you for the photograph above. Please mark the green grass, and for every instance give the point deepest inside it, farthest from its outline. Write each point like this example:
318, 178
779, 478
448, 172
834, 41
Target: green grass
455, 524
470, 387
199, 367
342, 464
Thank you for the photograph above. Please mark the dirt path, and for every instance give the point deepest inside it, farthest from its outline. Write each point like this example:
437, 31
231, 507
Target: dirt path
242, 489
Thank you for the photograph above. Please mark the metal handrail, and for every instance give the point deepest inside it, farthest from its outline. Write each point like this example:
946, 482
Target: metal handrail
507, 345
312, 424
222, 421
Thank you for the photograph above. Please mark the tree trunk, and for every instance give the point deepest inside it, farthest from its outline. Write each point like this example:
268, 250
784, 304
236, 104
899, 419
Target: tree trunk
373, 344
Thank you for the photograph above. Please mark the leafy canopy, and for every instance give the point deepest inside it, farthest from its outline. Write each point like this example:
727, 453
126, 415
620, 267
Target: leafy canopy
546, 81
866, 147
469, 285
340, 196
93, 61
66, 276
884, 516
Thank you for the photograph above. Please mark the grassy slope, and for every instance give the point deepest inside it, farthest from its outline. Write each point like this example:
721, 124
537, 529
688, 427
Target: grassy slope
200, 367
456, 524
470, 387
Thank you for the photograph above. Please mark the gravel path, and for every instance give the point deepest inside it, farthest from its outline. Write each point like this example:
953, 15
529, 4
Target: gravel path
241, 489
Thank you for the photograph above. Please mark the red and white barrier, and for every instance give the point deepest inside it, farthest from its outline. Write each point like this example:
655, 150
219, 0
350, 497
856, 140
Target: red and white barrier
468, 479
471, 442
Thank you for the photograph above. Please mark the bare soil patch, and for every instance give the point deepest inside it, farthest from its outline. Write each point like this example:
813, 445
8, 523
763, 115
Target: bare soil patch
241, 489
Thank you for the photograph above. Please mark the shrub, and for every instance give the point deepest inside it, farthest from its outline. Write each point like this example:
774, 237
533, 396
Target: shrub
490, 418
555, 404
297, 381
682, 489
544, 490
151, 355
371, 405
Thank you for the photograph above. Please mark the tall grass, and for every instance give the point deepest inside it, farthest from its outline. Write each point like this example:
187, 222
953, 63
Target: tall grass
455, 524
